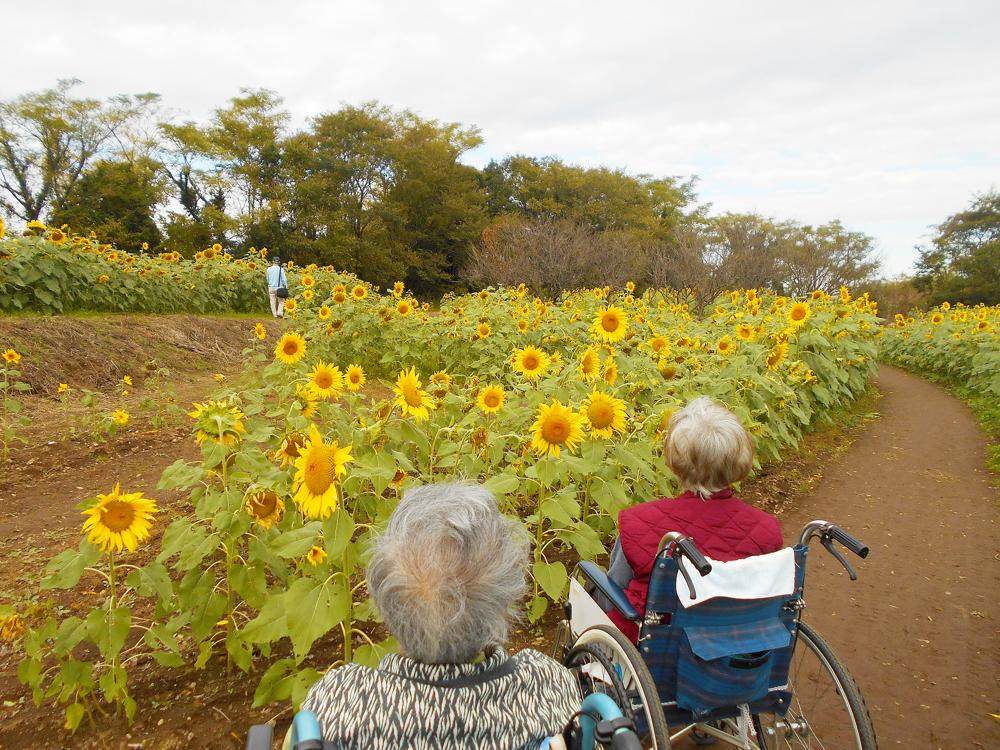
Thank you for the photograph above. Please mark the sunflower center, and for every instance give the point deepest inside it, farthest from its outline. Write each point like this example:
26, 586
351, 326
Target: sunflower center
530, 362
555, 430
323, 380
263, 504
491, 399
117, 516
321, 468
354, 377
610, 322
411, 394
290, 347
798, 313
600, 414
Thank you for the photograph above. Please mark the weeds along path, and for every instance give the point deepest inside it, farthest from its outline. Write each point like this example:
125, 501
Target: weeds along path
920, 629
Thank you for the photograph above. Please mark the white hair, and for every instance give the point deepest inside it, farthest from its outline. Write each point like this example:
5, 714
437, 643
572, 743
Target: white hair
707, 448
448, 574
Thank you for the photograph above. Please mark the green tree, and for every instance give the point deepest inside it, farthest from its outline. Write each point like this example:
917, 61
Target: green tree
117, 201
962, 263
823, 257
49, 138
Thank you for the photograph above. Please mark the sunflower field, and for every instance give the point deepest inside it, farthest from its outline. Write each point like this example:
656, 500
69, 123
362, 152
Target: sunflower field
558, 406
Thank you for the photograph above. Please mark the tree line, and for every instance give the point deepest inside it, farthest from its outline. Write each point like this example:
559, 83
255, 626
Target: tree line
384, 193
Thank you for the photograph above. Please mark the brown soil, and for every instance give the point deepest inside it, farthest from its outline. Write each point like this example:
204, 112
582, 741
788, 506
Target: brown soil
918, 629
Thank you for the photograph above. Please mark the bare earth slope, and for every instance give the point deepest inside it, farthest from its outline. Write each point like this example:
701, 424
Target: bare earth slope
920, 629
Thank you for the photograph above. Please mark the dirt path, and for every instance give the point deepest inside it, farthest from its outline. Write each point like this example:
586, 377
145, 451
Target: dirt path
920, 629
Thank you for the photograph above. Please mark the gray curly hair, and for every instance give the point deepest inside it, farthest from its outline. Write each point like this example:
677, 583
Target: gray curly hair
448, 574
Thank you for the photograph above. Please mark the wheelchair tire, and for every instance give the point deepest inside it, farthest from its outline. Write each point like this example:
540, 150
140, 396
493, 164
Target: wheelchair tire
827, 711
632, 686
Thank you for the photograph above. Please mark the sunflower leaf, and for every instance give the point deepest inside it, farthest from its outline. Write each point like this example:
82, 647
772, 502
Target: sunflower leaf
312, 608
296, 542
66, 568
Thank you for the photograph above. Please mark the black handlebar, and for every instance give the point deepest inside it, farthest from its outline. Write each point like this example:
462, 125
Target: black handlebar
856, 546
690, 550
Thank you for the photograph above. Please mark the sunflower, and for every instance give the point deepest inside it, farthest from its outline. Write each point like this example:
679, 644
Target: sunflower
817, 295
660, 345
324, 312
359, 292
339, 296
316, 555
291, 348
522, 325
308, 400
442, 377
799, 313
404, 307
103, 278
490, 399
308, 281
590, 363
776, 356
531, 362
291, 305
120, 417
354, 377
603, 414
745, 332
317, 469
265, 507
725, 346
937, 318
326, 380
307, 295
3, 228
610, 324
119, 520
630, 286
12, 626
483, 330
260, 331
291, 447
397, 289
218, 421
610, 373
11, 357
556, 426
409, 397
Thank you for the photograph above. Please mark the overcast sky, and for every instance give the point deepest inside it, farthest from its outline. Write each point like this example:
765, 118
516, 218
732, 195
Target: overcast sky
883, 114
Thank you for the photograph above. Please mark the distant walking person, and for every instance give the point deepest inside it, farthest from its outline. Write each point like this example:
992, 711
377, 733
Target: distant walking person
277, 287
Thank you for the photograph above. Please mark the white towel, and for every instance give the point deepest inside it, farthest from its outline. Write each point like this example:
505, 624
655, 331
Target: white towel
758, 577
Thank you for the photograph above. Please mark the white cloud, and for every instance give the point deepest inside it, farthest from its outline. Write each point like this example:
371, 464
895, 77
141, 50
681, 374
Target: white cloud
880, 114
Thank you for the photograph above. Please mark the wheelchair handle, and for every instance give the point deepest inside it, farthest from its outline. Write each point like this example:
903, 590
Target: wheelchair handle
601, 719
828, 534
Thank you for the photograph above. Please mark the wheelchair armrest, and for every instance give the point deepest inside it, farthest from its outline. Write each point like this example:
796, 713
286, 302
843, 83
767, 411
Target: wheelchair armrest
261, 737
597, 576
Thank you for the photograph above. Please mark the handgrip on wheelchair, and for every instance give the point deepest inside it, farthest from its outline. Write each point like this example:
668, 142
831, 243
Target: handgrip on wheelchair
690, 550
856, 546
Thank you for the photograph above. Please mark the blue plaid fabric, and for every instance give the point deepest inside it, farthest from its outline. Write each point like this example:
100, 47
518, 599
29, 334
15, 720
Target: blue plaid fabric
710, 658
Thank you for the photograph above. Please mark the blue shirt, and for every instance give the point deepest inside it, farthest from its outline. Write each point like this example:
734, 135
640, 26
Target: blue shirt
275, 277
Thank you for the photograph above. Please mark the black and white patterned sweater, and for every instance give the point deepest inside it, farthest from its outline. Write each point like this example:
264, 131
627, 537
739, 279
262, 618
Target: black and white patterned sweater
513, 702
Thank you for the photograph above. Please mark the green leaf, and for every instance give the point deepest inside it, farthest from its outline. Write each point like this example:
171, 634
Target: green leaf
71, 631
503, 484
65, 569
337, 532
204, 654
312, 608
371, 654
74, 715
552, 577
296, 542
270, 624
272, 686
537, 607
152, 579
180, 475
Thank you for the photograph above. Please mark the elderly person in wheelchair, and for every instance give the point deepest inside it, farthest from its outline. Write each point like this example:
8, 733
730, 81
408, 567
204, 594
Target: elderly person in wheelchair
448, 576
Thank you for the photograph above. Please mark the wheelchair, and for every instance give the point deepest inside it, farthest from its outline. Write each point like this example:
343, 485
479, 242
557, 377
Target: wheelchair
744, 672
598, 724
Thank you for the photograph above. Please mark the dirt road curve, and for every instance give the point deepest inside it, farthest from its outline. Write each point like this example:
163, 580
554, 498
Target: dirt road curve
920, 629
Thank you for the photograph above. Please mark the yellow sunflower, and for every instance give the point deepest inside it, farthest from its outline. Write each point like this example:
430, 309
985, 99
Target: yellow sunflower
397, 289
354, 377
531, 362
603, 414
324, 312
490, 399
120, 417
359, 292
745, 332
291, 305
590, 363
308, 400
776, 356
291, 347
260, 331
11, 357
610, 373
218, 421
799, 313
404, 307
308, 281
265, 507
610, 324
937, 318
326, 380
410, 398
316, 555
725, 346
307, 295
556, 427
317, 468
522, 325
119, 520
483, 330
442, 377
291, 447
667, 369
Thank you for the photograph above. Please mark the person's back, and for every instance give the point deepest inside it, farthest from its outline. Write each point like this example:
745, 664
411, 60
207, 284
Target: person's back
708, 450
276, 280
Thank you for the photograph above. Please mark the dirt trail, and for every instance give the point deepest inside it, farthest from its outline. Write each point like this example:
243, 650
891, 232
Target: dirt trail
920, 629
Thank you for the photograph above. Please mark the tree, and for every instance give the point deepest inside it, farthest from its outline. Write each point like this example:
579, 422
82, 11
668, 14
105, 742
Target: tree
824, 257
48, 139
117, 200
962, 263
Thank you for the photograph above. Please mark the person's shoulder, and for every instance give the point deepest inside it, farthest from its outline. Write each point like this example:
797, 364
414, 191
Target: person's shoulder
662, 504
545, 670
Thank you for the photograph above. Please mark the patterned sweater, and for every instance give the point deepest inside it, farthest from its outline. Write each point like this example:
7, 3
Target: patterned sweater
504, 702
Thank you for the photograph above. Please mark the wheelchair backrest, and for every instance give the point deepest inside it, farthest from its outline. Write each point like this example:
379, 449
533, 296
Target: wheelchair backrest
710, 658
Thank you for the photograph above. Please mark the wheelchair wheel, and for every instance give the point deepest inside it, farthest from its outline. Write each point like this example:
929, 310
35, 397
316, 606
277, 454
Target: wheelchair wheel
827, 711
606, 661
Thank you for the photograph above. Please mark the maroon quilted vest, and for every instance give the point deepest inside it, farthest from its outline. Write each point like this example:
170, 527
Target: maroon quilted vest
723, 526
